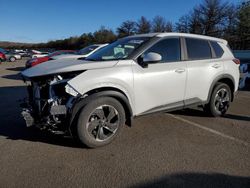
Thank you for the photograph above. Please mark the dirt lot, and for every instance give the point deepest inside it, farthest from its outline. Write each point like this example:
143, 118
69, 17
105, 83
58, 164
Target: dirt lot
180, 149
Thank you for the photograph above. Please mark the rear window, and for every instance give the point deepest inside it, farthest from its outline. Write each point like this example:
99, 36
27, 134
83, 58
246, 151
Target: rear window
217, 49
198, 49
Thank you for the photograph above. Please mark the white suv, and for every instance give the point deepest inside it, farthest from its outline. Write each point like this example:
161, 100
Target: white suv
93, 98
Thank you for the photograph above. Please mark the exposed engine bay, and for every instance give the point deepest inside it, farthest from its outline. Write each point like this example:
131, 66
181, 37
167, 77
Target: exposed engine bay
48, 104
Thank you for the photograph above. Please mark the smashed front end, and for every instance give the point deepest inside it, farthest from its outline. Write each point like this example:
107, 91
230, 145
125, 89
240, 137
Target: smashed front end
50, 101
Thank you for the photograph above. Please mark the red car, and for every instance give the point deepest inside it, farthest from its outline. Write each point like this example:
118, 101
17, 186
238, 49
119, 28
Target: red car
2, 57
35, 61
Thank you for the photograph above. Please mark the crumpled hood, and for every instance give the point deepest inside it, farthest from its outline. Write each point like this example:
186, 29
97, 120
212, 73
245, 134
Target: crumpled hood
63, 66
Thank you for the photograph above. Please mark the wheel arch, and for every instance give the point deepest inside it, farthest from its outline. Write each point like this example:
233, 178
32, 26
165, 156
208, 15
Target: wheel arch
227, 79
102, 92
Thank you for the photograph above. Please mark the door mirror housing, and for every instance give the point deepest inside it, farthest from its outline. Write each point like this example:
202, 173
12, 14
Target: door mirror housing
152, 57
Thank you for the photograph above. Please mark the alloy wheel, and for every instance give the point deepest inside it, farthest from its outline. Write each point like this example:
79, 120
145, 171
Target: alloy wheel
222, 100
103, 122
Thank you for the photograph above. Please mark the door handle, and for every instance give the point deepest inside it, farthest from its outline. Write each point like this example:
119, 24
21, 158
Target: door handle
180, 70
216, 66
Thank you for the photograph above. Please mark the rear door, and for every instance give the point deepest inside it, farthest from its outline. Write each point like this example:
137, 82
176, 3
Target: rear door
202, 69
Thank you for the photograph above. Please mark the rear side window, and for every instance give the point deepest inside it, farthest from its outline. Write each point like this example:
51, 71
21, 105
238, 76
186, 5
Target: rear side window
198, 49
217, 49
169, 49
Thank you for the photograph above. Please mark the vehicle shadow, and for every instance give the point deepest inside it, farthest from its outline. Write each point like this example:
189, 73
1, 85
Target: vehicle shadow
16, 69
13, 127
191, 112
201, 113
13, 76
198, 180
237, 117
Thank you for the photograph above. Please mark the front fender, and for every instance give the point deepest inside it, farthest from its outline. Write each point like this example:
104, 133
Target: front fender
81, 102
118, 77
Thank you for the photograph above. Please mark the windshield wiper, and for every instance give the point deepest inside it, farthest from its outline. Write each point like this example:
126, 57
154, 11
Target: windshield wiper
81, 58
88, 59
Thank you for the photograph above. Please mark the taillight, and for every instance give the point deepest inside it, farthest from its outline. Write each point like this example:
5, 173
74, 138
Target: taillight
236, 61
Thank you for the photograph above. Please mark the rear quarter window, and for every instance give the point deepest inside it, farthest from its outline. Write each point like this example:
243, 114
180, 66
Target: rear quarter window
217, 49
198, 49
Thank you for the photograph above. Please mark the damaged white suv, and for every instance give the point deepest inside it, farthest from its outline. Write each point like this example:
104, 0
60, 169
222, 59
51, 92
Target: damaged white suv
93, 98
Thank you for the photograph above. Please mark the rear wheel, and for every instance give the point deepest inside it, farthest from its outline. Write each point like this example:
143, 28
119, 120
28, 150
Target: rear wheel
219, 100
100, 122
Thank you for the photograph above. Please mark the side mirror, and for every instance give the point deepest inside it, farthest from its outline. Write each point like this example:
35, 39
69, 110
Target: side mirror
152, 57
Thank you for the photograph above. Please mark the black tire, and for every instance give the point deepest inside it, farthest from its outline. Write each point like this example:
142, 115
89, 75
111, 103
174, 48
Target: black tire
216, 106
12, 59
95, 131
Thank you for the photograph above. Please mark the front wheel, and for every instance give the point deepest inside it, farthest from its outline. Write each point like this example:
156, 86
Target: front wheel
219, 100
12, 59
100, 122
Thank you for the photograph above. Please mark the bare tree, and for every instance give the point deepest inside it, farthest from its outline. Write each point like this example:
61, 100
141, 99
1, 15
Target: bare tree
127, 28
230, 26
159, 24
169, 27
104, 35
195, 23
213, 14
143, 25
182, 25
244, 26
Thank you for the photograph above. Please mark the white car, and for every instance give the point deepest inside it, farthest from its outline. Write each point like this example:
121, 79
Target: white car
93, 98
42, 54
12, 56
83, 53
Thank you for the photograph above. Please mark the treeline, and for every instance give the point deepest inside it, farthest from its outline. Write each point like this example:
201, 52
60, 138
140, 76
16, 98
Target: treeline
212, 17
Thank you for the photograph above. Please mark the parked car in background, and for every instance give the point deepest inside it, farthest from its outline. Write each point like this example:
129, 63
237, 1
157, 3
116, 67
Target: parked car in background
2, 57
244, 57
244, 74
83, 53
35, 61
35, 52
11, 56
42, 54
24, 53
137, 75
2, 50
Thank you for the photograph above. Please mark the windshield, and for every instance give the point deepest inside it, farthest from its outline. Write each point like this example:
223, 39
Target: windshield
3, 51
87, 50
120, 49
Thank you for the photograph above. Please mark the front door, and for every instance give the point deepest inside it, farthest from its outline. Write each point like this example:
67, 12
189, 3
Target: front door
161, 85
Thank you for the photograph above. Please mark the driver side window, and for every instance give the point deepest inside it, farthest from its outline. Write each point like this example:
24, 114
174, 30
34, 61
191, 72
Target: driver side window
169, 49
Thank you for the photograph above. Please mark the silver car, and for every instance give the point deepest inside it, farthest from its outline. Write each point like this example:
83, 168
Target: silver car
12, 56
